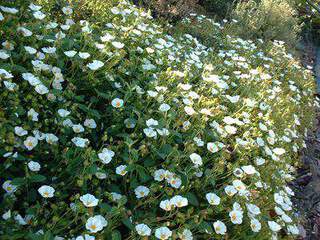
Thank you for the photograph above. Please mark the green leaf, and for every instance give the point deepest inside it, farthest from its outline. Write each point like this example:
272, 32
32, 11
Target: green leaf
103, 95
48, 236
192, 199
18, 181
37, 178
164, 151
92, 169
105, 207
149, 162
205, 227
116, 235
128, 223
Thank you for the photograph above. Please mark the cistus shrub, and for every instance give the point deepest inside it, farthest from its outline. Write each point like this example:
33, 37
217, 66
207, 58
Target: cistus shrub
116, 130
266, 19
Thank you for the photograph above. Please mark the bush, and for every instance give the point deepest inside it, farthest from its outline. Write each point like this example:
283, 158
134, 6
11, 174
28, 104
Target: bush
220, 8
267, 19
113, 129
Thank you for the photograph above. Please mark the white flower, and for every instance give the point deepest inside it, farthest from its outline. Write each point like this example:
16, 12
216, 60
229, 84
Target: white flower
163, 132
236, 216
10, 85
159, 175
260, 161
107, 37
20, 219
150, 132
249, 169
41, 89
143, 229
46, 191
255, 225
239, 186
152, 123
33, 115
186, 235
279, 151
51, 138
70, 53
278, 198
141, 191
106, 155
174, 182
90, 123
198, 141
34, 7
80, 142
9, 187
230, 129
213, 199
34, 166
286, 218
263, 127
84, 55
33, 80
196, 159
6, 215
179, 201
253, 209
164, 107
116, 196
20, 131
233, 99
121, 170
86, 237
95, 65
25, 32
260, 142
9, 10
219, 227
5, 74
163, 233
212, 147
30, 142
39, 15
166, 205
63, 112
4, 55
8, 45
275, 227
67, 123
118, 45
96, 223
230, 190
189, 110
152, 93
89, 200
293, 229
117, 103
67, 10
77, 128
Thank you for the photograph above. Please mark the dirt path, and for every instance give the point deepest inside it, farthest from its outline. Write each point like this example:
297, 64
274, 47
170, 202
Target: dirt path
307, 184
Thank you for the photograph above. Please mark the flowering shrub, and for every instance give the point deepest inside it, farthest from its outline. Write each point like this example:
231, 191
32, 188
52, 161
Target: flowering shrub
117, 130
266, 19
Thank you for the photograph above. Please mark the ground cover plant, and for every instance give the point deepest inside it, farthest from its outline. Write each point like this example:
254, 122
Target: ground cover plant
113, 129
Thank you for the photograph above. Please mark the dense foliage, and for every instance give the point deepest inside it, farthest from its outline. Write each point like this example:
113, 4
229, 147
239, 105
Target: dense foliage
110, 128
268, 20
